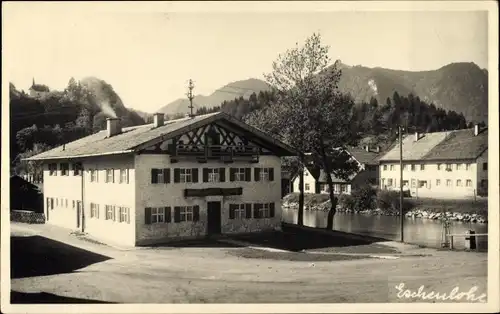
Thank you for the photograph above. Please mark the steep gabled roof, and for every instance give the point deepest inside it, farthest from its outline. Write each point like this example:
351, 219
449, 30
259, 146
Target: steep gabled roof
363, 156
133, 139
450, 145
322, 178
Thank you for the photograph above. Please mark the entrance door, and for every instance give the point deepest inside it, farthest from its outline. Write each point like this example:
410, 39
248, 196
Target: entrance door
213, 217
78, 213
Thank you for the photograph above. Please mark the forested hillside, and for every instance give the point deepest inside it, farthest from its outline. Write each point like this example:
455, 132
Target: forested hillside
56, 117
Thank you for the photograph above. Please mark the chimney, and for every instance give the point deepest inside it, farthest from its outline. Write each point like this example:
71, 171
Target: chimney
416, 136
158, 119
113, 126
476, 129
367, 148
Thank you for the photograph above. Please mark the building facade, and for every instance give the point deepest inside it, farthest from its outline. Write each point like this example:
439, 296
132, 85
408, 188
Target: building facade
182, 179
450, 164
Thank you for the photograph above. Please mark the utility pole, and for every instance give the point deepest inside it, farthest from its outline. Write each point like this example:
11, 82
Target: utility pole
400, 134
190, 96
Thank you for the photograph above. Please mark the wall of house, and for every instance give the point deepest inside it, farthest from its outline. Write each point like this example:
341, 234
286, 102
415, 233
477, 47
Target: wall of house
308, 180
430, 174
172, 194
337, 188
480, 173
115, 194
63, 189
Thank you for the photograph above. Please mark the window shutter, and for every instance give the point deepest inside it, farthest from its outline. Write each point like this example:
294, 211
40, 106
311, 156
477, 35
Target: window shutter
232, 172
147, 215
256, 210
248, 174
166, 175
97, 211
231, 211
177, 214
114, 213
205, 175
154, 176
126, 170
196, 213
177, 175
271, 210
195, 175
256, 172
113, 175
168, 214
271, 174
222, 174
248, 209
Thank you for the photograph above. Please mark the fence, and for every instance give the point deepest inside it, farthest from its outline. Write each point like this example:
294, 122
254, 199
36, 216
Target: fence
27, 217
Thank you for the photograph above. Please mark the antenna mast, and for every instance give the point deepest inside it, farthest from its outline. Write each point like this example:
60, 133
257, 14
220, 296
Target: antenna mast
190, 96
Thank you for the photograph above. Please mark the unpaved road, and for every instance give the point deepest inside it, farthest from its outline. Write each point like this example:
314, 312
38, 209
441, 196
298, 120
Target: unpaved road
212, 274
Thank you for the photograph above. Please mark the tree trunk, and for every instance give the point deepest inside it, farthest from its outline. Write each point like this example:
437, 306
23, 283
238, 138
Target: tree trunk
300, 214
329, 181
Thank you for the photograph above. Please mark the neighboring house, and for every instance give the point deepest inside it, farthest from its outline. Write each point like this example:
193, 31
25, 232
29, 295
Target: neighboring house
178, 179
315, 181
25, 195
451, 164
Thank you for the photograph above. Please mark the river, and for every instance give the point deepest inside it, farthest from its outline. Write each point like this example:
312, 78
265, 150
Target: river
426, 232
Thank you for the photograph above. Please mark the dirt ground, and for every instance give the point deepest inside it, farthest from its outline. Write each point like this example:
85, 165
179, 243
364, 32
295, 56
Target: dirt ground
50, 265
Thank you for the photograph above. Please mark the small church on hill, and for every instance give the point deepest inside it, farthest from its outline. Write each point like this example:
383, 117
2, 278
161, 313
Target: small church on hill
180, 179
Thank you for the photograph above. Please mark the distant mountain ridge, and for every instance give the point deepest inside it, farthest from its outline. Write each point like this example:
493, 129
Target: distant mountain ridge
243, 88
461, 87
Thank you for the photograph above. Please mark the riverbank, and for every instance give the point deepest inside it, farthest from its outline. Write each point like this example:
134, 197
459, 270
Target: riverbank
454, 210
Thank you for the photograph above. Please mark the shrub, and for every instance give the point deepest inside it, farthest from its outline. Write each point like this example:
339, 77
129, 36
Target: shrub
346, 202
389, 201
363, 198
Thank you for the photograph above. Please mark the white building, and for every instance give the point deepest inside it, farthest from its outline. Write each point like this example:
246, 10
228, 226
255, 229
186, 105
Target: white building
180, 179
315, 181
451, 164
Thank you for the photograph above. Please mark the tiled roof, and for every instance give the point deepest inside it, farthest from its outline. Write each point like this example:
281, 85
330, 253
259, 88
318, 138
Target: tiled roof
322, 178
364, 157
132, 138
454, 145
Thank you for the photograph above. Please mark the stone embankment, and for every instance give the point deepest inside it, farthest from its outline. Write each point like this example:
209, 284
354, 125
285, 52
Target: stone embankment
414, 213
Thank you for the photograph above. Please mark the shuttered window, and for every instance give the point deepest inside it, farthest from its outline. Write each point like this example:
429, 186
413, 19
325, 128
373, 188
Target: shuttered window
265, 210
160, 176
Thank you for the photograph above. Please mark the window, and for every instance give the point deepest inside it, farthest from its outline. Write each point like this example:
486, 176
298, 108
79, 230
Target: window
448, 182
468, 183
405, 182
485, 166
405, 167
467, 166
484, 183
52, 169
439, 166
307, 187
160, 175
240, 174
186, 176
306, 173
239, 211
265, 210
392, 167
343, 188
449, 167
94, 210
438, 182
458, 166
459, 182
93, 175
73, 204
123, 175
110, 212
383, 182
65, 169
57, 202
385, 167
422, 183
422, 167
66, 202
123, 215
77, 169
389, 182
110, 176
186, 213
264, 174
413, 167
413, 183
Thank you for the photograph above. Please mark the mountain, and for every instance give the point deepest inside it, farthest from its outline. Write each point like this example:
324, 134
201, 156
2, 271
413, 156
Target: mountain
228, 92
461, 87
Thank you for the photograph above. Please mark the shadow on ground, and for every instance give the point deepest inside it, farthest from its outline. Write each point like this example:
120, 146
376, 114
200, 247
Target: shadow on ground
208, 242
297, 239
43, 297
39, 256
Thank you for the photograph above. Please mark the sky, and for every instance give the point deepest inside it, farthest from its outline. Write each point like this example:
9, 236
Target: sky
149, 55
